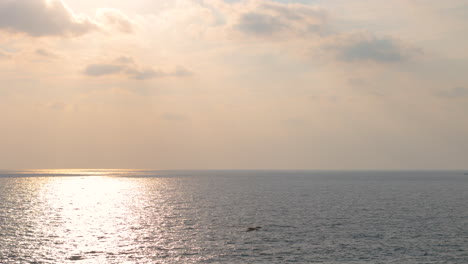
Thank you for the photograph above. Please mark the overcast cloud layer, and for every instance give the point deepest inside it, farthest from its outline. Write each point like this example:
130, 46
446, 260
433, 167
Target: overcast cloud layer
251, 84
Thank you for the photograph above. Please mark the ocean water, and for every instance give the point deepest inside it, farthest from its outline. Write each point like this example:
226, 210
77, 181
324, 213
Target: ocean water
134, 216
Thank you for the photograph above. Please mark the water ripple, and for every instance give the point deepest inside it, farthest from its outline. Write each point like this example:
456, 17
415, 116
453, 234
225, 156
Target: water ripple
122, 217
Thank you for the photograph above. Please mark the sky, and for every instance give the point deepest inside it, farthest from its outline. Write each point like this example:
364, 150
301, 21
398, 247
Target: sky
249, 84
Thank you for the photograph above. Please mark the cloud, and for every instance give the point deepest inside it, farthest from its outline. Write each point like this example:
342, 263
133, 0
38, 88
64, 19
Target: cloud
46, 53
127, 67
149, 73
269, 19
368, 47
181, 72
116, 19
301, 29
306, 25
4, 55
102, 69
143, 74
39, 18
311, 27
259, 24
124, 60
456, 92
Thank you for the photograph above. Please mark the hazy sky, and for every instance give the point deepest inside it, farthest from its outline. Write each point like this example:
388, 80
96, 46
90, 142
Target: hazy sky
254, 84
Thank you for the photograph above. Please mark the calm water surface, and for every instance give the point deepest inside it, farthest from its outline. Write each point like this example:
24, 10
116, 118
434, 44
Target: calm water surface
115, 216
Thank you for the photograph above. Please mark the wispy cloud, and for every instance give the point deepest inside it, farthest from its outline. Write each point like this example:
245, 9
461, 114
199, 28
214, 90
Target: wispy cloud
356, 47
46, 53
116, 19
126, 66
103, 69
273, 19
306, 25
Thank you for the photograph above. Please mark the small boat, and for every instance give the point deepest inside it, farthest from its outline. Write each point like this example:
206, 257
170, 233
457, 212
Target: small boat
250, 229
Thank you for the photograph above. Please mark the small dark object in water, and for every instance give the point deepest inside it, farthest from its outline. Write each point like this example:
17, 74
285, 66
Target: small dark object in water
466, 173
75, 257
253, 228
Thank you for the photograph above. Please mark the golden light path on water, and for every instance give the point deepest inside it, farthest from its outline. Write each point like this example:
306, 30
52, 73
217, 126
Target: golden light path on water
97, 217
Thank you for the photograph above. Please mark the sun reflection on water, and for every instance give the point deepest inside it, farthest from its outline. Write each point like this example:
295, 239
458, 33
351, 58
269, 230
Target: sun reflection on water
114, 216
94, 217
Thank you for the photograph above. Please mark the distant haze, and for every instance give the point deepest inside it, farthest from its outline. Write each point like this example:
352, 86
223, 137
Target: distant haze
250, 84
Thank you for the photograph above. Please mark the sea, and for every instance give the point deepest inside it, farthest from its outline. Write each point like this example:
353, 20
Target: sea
142, 216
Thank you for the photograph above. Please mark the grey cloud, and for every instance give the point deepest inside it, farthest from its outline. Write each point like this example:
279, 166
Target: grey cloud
270, 19
455, 92
259, 24
46, 53
296, 12
127, 67
42, 18
150, 73
371, 48
102, 69
282, 10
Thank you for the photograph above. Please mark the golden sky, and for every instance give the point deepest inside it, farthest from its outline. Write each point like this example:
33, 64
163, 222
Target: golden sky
251, 84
